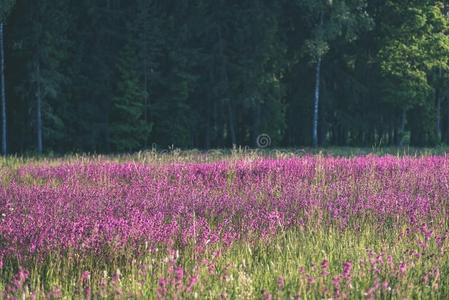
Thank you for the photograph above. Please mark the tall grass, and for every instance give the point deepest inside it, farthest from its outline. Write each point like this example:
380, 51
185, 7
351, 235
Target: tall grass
240, 225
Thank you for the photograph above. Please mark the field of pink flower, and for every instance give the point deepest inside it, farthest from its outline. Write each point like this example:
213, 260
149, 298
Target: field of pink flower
306, 227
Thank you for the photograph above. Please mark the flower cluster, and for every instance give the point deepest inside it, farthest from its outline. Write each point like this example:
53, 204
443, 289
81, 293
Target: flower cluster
88, 207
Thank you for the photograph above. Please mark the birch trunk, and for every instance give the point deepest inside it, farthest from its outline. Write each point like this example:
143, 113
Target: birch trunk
316, 103
316, 100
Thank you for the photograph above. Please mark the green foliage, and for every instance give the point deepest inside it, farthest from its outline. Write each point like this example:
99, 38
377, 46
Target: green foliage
5, 8
333, 20
128, 128
208, 74
39, 55
412, 50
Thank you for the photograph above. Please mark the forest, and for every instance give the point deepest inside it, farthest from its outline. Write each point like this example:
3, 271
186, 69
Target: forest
111, 76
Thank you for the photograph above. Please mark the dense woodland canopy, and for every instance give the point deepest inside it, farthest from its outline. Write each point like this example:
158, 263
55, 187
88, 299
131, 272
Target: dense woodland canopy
125, 75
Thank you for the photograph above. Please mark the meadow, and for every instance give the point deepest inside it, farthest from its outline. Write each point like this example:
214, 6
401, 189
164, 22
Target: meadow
234, 225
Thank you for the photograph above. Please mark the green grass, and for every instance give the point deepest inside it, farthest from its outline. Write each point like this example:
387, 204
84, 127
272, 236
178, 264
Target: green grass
195, 155
285, 266
248, 268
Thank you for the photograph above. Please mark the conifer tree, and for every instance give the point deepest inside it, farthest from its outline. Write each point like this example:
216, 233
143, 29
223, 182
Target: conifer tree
128, 128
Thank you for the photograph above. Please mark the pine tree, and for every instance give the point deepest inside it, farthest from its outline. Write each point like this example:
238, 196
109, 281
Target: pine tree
128, 129
175, 76
259, 62
42, 52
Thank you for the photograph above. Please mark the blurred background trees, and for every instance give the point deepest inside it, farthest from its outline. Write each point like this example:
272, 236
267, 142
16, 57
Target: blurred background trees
116, 75
5, 8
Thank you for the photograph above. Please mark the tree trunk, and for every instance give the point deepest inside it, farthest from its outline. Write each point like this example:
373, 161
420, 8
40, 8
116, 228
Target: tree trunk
208, 127
316, 103
256, 122
231, 122
146, 67
439, 100
146, 99
40, 147
316, 100
401, 131
447, 124
394, 136
146, 92
211, 129
225, 91
3, 89
438, 117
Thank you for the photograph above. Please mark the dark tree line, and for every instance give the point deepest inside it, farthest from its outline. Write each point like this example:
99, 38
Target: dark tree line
116, 75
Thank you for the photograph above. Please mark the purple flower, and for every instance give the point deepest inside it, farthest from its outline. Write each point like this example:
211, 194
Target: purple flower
325, 267
281, 282
347, 268
402, 267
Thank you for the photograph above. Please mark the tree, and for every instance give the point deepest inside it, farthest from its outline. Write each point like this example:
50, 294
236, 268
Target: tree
2, 88
332, 20
145, 36
222, 17
415, 46
41, 51
259, 63
212, 74
5, 7
242, 57
129, 129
